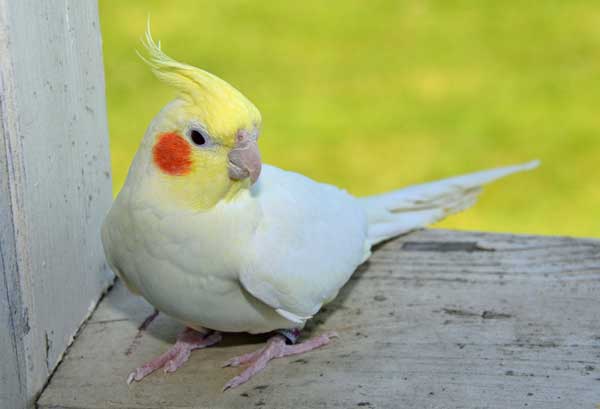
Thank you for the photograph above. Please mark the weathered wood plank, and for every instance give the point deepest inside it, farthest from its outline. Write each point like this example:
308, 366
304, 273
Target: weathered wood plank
436, 319
54, 185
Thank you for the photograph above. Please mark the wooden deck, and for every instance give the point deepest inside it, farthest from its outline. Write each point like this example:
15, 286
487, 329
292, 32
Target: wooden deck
436, 319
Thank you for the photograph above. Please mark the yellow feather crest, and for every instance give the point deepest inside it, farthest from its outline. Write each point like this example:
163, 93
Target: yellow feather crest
223, 109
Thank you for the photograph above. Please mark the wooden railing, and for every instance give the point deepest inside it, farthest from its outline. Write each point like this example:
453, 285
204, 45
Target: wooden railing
435, 319
55, 186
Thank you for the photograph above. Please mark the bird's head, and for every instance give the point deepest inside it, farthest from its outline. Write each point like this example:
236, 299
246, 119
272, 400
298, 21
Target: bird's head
202, 147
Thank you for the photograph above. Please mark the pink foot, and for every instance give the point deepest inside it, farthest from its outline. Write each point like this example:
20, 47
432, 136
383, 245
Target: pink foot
275, 348
176, 356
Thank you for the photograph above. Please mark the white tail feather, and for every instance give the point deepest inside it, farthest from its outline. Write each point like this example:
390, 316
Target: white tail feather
401, 211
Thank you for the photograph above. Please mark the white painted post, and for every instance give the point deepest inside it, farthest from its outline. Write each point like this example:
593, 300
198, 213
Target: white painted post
55, 185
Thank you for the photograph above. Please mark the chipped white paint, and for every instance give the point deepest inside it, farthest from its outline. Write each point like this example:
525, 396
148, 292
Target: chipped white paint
54, 185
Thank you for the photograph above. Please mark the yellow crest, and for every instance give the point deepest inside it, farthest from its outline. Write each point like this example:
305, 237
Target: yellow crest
222, 108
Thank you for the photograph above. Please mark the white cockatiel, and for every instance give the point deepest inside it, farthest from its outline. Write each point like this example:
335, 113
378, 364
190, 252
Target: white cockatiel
221, 243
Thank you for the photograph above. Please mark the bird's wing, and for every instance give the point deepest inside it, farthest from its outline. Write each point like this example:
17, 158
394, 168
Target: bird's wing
309, 242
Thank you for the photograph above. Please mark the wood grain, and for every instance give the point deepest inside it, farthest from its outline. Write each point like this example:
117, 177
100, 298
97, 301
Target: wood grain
436, 319
54, 185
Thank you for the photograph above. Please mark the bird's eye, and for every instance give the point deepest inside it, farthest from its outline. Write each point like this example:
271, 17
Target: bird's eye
197, 137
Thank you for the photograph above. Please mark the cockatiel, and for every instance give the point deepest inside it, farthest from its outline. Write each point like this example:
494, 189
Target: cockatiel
216, 240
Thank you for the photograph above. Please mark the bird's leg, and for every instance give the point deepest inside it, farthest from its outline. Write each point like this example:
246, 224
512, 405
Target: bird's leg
174, 357
276, 348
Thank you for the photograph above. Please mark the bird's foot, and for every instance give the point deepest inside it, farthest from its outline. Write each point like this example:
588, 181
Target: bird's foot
275, 348
175, 357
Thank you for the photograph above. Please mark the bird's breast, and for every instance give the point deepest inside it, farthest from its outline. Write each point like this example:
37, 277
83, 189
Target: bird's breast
187, 264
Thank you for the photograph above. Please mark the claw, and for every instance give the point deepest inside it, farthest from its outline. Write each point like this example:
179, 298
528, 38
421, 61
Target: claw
177, 355
237, 381
243, 359
275, 348
132, 377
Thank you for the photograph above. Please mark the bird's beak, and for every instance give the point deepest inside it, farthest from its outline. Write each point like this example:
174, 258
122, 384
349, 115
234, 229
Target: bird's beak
244, 158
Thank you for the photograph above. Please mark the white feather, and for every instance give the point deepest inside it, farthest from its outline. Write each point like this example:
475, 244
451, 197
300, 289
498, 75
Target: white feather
401, 211
310, 240
272, 256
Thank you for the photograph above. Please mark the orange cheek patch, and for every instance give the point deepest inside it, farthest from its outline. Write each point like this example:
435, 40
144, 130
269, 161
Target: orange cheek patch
172, 154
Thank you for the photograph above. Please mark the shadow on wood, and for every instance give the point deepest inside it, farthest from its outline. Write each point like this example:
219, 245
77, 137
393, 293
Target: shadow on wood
496, 321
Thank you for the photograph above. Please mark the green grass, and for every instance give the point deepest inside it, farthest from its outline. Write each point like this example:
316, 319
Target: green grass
374, 95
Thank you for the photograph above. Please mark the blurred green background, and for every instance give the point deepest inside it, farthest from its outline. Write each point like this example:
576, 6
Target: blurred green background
374, 95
